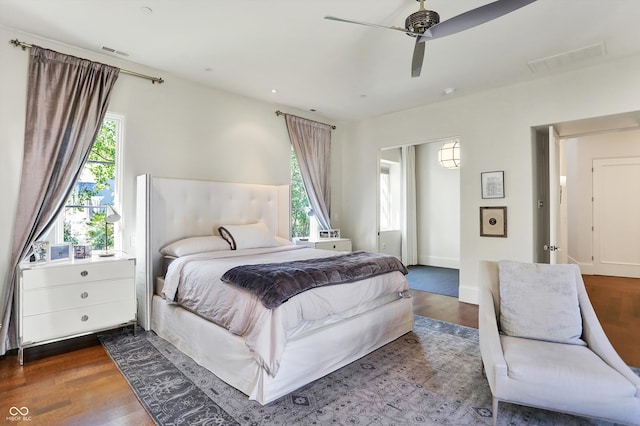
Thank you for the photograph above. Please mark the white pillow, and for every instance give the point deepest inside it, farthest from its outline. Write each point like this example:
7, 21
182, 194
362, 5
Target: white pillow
540, 301
254, 235
193, 245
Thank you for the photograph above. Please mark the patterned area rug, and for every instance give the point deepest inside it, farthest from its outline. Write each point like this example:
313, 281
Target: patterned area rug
430, 376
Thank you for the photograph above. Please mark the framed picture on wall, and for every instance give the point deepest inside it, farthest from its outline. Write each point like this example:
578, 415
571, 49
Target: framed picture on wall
493, 222
492, 184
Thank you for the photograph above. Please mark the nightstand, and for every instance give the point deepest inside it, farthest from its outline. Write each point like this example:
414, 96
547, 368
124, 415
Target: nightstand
337, 244
61, 300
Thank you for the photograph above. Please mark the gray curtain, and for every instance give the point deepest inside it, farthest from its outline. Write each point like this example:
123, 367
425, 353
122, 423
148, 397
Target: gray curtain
409, 214
312, 144
67, 98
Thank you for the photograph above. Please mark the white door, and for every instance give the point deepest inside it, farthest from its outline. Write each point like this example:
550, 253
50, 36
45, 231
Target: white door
554, 196
616, 213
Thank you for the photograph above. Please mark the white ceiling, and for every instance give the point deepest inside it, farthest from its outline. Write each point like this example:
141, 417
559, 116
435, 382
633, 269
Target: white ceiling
343, 71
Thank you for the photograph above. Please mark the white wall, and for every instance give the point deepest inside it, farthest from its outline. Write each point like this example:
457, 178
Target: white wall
581, 152
438, 209
176, 129
180, 129
495, 132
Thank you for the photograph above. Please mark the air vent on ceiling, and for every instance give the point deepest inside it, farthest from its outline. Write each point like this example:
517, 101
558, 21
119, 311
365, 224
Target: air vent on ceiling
111, 50
567, 58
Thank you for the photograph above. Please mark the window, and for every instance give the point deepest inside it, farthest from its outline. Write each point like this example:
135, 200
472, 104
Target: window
385, 197
390, 190
82, 221
301, 221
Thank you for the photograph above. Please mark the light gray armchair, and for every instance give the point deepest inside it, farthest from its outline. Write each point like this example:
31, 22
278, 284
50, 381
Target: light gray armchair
588, 380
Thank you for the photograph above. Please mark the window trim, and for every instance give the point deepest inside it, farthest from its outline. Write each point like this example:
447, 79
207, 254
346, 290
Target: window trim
119, 176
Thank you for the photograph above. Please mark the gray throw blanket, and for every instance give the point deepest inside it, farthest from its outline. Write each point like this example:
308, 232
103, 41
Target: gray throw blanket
275, 283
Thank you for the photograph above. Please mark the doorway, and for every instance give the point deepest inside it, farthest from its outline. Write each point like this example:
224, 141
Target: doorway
599, 194
434, 209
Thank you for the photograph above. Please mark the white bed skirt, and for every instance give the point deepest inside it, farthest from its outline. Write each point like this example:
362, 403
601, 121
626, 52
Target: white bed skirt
306, 358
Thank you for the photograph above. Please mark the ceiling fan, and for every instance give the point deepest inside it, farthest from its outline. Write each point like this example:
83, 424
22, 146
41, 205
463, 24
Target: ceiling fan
425, 24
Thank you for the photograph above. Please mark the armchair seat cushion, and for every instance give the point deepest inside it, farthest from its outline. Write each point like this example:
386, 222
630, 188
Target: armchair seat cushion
564, 377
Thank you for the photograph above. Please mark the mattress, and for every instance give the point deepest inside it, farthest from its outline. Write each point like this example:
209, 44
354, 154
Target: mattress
194, 283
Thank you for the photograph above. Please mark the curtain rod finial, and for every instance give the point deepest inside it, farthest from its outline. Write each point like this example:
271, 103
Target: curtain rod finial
18, 43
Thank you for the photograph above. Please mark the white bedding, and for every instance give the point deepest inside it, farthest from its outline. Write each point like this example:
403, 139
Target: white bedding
264, 330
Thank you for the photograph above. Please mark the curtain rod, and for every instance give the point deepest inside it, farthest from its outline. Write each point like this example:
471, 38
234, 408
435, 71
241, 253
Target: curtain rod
154, 80
279, 113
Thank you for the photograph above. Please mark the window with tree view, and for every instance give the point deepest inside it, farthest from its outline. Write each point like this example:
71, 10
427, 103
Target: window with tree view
300, 226
84, 213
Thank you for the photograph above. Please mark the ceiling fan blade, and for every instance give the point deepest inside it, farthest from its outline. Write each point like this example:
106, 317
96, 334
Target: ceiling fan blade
350, 21
473, 18
418, 58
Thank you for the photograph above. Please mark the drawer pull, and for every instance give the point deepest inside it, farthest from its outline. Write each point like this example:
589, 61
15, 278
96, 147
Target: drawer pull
84, 273
84, 318
84, 295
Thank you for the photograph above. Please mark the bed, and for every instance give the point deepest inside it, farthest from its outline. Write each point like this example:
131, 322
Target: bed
299, 346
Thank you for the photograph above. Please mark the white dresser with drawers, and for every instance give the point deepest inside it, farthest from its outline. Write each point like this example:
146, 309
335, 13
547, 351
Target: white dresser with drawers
56, 301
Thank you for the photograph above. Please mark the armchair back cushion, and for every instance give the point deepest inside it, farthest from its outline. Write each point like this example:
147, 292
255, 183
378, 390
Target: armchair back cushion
539, 301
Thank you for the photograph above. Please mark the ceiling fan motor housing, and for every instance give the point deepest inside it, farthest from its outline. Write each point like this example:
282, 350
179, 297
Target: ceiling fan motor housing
418, 22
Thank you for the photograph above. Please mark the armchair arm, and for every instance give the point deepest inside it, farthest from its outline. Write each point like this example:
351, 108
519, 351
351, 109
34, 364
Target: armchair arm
490, 346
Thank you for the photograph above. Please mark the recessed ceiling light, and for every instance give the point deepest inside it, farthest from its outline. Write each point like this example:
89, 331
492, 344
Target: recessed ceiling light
312, 109
274, 91
449, 90
146, 10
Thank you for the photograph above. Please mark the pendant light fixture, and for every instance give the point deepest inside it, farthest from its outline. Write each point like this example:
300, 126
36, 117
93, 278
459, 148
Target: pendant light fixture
449, 154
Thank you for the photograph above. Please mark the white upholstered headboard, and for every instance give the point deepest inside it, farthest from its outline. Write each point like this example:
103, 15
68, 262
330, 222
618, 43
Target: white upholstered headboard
171, 209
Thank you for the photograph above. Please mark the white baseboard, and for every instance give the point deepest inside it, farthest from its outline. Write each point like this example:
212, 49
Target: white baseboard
585, 268
468, 294
440, 262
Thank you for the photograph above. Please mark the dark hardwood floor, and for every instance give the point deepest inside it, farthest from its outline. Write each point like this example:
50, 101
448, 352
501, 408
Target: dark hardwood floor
76, 383
69, 383
444, 308
616, 301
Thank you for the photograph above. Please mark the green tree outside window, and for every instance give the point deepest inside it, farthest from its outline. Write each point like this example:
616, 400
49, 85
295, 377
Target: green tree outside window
85, 208
299, 201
